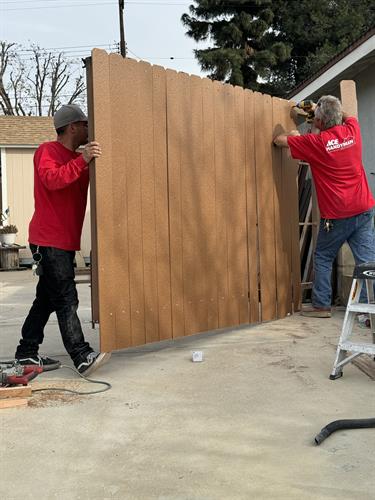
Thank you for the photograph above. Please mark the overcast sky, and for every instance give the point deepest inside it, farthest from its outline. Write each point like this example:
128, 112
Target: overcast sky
153, 29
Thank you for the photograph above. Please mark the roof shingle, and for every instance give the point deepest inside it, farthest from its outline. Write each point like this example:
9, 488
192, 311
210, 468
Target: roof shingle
26, 130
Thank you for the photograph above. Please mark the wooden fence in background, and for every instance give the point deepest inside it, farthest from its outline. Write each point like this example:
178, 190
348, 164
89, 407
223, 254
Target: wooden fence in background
194, 212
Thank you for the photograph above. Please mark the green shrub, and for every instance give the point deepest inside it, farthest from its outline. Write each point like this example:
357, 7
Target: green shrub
11, 228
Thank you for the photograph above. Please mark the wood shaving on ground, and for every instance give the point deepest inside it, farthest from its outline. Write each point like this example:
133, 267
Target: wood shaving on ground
56, 398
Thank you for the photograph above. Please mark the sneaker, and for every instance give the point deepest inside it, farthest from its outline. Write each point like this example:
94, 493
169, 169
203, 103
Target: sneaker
92, 362
316, 312
47, 364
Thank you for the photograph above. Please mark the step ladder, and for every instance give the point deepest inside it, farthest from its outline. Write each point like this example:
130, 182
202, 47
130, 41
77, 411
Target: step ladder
363, 275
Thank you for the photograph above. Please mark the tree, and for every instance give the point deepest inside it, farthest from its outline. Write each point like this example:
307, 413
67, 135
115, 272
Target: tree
245, 49
305, 34
38, 84
317, 31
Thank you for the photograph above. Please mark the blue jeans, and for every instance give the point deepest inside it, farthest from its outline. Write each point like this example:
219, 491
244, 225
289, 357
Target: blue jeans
56, 292
358, 231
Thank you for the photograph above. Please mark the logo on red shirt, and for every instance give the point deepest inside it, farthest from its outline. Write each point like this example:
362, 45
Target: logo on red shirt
335, 145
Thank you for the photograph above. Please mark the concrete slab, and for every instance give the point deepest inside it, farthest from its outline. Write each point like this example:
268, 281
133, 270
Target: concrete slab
239, 425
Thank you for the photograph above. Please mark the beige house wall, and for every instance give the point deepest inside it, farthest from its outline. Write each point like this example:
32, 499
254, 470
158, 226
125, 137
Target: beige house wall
19, 179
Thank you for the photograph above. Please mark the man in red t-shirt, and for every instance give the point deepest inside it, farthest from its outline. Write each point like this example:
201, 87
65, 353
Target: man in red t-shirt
61, 179
344, 197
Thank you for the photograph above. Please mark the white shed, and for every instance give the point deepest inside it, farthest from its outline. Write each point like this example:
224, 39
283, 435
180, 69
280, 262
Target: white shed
19, 138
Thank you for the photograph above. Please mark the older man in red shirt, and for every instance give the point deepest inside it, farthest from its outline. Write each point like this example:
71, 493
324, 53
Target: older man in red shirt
61, 179
344, 197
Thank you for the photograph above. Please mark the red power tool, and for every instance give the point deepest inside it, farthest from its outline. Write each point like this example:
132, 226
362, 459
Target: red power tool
16, 374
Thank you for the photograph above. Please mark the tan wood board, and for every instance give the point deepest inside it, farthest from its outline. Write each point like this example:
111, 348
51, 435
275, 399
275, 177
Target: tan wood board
12, 403
15, 392
366, 364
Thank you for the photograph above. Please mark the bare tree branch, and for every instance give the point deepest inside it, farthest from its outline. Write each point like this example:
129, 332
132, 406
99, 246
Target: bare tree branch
79, 89
5, 54
38, 86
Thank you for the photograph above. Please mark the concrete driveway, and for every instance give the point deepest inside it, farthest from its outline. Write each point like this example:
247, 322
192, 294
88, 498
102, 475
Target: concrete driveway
239, 425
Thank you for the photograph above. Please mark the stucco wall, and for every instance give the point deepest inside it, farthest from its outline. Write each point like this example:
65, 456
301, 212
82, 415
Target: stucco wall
366, 110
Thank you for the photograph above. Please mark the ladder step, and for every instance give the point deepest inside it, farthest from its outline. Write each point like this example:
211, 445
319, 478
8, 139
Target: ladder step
353, 347
362, 308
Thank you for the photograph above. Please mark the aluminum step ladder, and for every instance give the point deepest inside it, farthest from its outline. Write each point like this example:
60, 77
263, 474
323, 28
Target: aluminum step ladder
363, 275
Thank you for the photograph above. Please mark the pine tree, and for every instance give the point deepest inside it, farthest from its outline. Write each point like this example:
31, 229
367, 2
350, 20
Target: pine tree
272, 46
316, 31
244, 48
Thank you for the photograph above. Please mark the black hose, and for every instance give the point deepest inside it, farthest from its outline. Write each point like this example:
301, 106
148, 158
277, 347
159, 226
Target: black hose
356, 423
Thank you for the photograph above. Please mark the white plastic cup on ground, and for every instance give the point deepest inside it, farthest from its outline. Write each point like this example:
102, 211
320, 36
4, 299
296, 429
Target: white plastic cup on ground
197, 356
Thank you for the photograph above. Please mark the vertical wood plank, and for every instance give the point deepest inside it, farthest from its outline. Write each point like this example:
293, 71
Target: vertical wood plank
119, 254
209, 196
193, 210
231, 310
221, 205
237, 251
102, 198
252, 210
145, 100
290, 190
349, 97
92, 194
134, 200
175, 126
159, 92
265, 182
282, 225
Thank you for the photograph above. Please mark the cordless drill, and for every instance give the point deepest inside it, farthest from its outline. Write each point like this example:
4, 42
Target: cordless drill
308, 107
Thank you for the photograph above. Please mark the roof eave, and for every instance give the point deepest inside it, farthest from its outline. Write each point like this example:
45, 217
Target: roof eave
331, 71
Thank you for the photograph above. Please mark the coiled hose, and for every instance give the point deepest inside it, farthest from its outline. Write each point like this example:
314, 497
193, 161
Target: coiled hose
356, 423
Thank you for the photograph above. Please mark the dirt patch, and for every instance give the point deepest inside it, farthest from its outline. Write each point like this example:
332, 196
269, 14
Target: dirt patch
50, 398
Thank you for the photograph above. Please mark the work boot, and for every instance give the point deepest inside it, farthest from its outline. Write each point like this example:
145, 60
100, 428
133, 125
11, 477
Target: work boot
316, 312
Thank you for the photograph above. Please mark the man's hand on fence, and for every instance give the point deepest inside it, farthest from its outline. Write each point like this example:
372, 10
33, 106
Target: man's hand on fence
90, 151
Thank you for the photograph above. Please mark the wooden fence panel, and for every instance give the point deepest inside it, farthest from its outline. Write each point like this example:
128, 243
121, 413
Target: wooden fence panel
192, 204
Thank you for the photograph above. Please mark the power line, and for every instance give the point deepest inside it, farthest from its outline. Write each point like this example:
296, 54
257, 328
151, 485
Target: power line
115, 44
129, 2
59, 6
90, 5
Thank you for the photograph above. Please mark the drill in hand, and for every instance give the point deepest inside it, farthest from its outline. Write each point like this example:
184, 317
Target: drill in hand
308, 107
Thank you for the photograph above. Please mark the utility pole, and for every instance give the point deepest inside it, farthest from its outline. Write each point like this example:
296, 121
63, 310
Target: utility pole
122, 34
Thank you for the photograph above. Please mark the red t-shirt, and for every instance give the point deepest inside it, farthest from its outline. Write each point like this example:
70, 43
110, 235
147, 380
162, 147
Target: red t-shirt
335, 158
61, 179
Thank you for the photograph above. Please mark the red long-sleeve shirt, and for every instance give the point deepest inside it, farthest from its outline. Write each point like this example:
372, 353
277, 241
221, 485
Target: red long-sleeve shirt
61, 179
